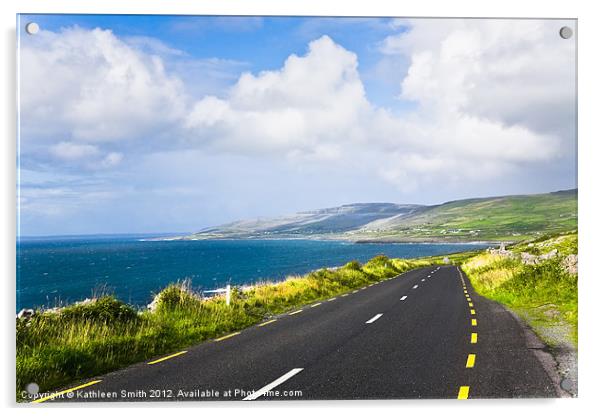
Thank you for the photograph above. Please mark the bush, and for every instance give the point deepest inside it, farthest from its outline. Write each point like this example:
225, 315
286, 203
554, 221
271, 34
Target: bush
353, 265
177, 296
105, 309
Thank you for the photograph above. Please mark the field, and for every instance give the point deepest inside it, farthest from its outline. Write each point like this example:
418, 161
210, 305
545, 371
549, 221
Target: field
509, 218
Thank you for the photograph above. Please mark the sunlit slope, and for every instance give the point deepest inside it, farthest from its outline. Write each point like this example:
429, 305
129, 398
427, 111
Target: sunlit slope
512, 217
497, 218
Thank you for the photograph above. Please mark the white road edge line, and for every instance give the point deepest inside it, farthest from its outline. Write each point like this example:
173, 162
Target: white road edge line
403, 298
273, 384
374, 318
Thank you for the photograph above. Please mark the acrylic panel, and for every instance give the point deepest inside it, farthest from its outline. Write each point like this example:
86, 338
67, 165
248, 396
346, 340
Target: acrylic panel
295, 208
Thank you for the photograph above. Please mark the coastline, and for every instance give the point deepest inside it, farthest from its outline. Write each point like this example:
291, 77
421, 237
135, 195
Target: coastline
177, 318
337, 238
132, 269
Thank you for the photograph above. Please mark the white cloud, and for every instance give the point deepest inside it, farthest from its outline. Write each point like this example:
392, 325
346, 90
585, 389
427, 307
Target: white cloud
509, 71
496, 93
84, 156
73, 151
313, 103
112, 159
95, 86
87, 96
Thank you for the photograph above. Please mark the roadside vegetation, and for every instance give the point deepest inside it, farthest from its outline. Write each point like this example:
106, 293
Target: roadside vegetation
58, 347
535, 279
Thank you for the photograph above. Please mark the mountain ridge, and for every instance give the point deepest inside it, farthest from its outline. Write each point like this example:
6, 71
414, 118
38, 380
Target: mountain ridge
495, 218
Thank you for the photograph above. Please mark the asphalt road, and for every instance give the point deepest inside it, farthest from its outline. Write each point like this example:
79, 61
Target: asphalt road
423, 334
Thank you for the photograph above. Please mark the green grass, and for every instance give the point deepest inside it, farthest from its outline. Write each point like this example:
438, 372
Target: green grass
543, 294
86, 340
565, 243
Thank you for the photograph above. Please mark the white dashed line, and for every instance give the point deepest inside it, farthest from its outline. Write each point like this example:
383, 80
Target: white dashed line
403, 298
273, 384
415, 287
374, 318
423, 280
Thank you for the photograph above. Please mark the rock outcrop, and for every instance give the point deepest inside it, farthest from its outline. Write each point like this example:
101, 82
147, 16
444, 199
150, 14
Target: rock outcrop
570, 264
533, 259
25, 314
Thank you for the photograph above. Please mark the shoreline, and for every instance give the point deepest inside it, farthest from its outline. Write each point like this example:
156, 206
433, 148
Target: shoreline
345, 251
342, 240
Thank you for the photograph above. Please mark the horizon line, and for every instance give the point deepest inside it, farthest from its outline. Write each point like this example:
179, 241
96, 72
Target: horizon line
177, 233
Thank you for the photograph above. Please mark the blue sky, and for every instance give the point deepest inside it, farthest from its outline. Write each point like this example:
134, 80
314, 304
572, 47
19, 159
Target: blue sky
174, 123
261, 43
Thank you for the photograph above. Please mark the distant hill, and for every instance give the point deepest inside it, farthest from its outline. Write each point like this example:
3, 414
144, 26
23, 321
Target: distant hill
514, 217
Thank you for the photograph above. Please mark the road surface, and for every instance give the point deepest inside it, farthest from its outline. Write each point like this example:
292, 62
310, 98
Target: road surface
422, 334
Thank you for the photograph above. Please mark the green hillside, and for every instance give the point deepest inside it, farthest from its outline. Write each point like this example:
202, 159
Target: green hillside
507, 217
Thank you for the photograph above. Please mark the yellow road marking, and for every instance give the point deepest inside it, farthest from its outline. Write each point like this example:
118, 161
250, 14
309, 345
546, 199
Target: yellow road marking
60, 393
473, 338
296, 312
473, 312
267, 322
474, 322
226, 337
470, 360
316, 304
463, 392
470, 304
168, 357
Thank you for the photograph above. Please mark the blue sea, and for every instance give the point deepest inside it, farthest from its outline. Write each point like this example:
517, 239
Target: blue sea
56, 271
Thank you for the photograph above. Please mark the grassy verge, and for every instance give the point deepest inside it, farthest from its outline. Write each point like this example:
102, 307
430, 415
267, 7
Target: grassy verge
86, 340
544, 294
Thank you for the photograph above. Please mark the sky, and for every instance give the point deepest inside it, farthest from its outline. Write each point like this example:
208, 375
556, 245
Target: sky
159, 124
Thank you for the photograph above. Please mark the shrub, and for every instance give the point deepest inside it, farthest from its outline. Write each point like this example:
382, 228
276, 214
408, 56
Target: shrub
105, 309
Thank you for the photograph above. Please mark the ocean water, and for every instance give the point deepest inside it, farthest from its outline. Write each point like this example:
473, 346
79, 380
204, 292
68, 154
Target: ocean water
55, 271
